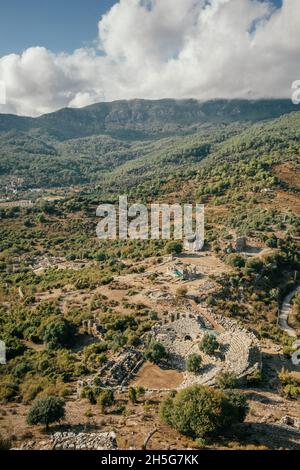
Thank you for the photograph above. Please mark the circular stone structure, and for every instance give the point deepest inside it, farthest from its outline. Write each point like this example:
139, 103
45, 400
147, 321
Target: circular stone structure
181, 334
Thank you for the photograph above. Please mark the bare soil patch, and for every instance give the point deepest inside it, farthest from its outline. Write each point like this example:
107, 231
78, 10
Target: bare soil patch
285, 201
288, 173
152, 376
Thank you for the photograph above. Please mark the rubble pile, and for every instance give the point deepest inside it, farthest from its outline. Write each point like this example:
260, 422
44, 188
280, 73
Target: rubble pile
84, 441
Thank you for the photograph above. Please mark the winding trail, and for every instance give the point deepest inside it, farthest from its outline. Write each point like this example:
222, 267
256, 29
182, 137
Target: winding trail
284, 313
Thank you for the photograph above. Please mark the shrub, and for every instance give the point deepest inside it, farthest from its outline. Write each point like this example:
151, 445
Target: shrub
290, 385
254, 265
58, 334
105, 399
155, 352
46, 411
200, 443
291, 391
181, 292
200, 411
272, 242
140, 391
238, 406
90, 395
193, 363
82, 284
93, 352
5, 443
225, 380
174, 248
21, 370
254, 378
209, 344
235, 260
14, 347
8, 391
106, 280
31, 388
132, 395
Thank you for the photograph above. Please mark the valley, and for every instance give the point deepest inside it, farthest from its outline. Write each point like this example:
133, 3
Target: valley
120, 329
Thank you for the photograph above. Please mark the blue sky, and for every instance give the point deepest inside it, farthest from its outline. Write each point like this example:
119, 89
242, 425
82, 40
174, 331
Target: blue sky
59, 25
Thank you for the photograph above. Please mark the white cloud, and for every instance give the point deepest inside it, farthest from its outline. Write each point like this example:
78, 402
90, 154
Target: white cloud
165, 48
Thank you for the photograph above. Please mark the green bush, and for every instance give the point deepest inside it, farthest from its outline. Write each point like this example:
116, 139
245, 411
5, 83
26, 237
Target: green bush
14, 347
226, 380
238, 406
272, 242
290, 384
46, 411
254, 378
132, 393
200, 411
193, 363
21, 370
174, 248
140, 391
155, 352
235, 260
5, 443
254, 265
59, 334
209, 344
90, 395
105, 399
8, 391
291, 391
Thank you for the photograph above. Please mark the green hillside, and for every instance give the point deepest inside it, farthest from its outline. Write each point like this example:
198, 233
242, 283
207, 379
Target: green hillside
139, 139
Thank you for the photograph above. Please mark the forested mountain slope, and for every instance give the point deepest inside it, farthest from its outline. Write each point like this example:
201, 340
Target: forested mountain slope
140, 139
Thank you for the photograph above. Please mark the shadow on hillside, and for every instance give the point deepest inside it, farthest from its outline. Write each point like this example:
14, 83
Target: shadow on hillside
261, 435
272, 436
261, 398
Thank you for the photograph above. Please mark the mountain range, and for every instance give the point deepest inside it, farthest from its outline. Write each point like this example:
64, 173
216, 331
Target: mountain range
132, 140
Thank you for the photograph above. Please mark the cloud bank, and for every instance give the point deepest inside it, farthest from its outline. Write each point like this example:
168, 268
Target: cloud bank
203, 49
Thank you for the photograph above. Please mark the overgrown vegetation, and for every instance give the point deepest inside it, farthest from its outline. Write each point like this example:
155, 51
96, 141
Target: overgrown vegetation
199, 411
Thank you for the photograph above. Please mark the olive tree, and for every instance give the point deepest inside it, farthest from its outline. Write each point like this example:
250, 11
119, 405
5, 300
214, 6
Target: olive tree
46, 411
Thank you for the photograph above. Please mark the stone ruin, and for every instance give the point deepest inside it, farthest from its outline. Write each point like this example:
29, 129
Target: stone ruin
237, 245
92, 328
185, 272
84, 441
241, 244
115, 373
181, 332
74, 441
159, 295
123, 367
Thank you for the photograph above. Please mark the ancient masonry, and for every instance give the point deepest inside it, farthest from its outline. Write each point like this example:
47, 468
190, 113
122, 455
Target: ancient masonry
84, 441
116, 373
181, 333
93, 328
185, 272
72, 441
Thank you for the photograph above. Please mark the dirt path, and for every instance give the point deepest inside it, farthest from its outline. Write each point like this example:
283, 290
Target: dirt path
284, 313
207, 316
